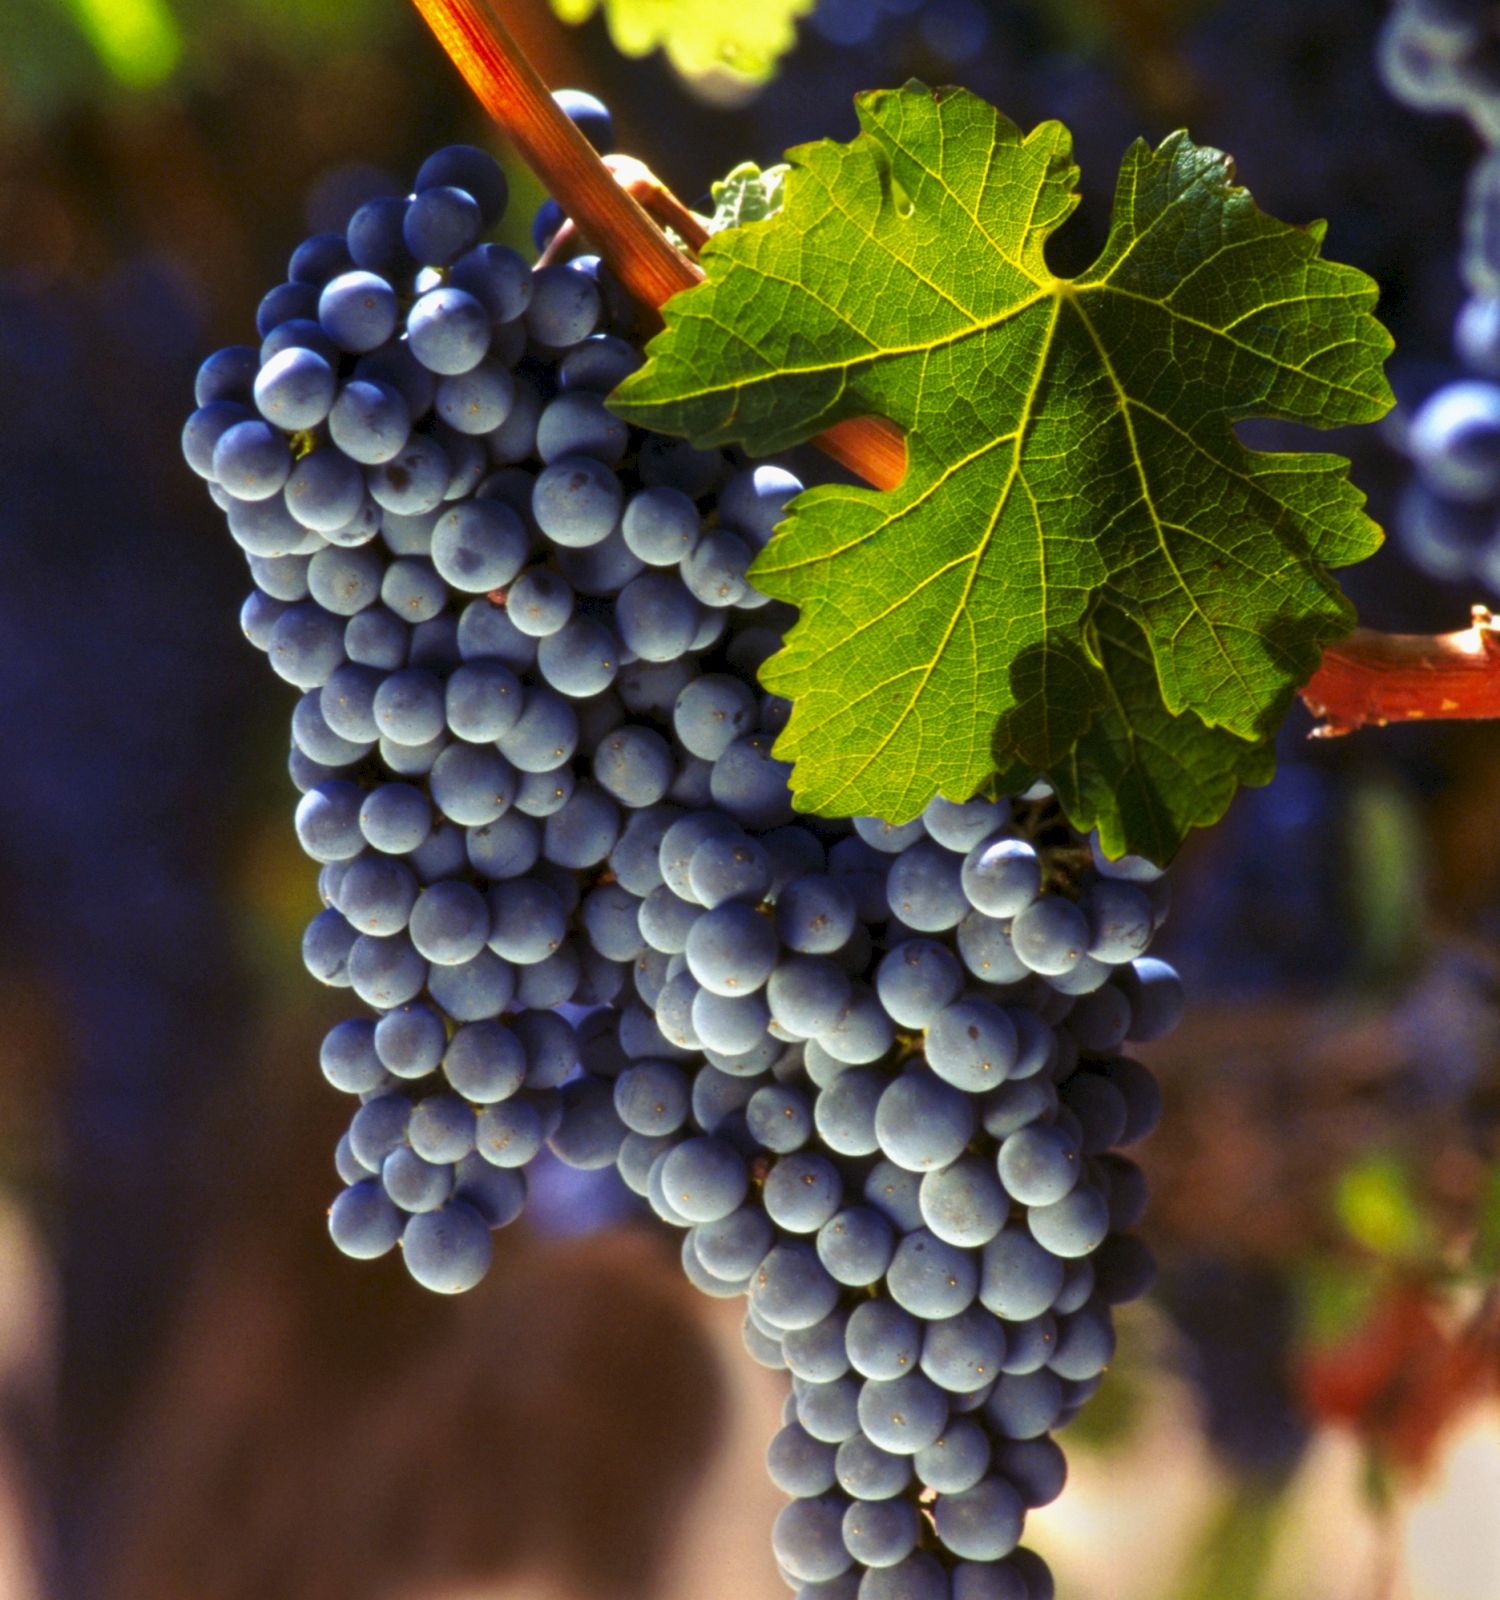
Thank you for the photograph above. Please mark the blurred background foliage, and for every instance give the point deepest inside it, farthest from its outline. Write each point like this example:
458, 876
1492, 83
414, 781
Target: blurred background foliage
1327, 1205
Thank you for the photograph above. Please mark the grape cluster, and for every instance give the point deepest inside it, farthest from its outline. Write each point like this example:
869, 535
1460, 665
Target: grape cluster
874, 1071
1444, 55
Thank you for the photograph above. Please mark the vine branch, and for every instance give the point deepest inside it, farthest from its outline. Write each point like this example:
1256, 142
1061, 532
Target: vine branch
1379, 678
607, 214
1368, 678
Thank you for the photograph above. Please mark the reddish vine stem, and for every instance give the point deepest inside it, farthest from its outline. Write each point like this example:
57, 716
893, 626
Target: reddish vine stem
1378, 678
1367, 678
613, 220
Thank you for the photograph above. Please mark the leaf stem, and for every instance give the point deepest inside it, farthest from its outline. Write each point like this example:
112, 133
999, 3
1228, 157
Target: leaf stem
612, 219
1380, 678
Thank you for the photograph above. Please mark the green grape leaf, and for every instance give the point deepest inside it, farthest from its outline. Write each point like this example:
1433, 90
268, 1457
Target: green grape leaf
702, 38
1073, 466
1141, 776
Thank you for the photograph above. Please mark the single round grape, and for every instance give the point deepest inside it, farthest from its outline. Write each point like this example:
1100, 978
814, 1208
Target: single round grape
1085, 1343
705, 1179
982, 1523
447, 1250
409, 707
577, 423
590, 1133
955, 1461
251, 460
441, 223
902, 1415
441, 1128
964, 1204
798, 1464
829, 1411
539, 603
509, 1134
565, 306
732, 950
363, 1221
369, 421
358, 311
485, 1062
923, 1123
583, 832
971, 1044
862, 1032
580, 658
479, 546
661, 525
413, 589
1072, 1226
815, 914
374, 236
1019, 1278
880, 1533
378, 1127
1039, 1164
807, 994
883, 1340
924, 890
577, 500
325, 492
790, 1288
729, 866
635, 765
295, 389
856, 1246
735, 1245
1002, 876
450, 923
779, 1118
409, 1040
348, 1059
817, 1354
1156, 999
916, 979
377, 894
473, 990
801, 1192
808, 1540
414, 1184
867, 1472
963, 1353
448, 331
1051, 935
326, 944
729, 1024
930, 1278
327, 822
651, 1097
845, 1111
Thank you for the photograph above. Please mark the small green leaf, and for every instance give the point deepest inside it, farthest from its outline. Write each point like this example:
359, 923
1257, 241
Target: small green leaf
700, 37
1077, 506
